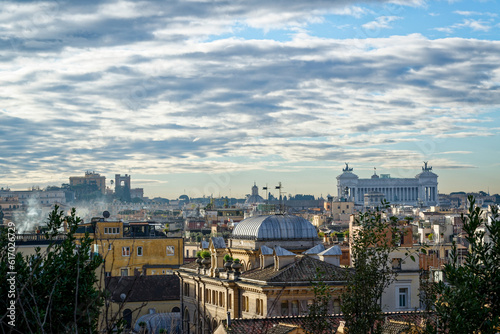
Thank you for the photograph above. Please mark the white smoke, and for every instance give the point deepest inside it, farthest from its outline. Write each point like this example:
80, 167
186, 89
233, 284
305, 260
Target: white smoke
35, 215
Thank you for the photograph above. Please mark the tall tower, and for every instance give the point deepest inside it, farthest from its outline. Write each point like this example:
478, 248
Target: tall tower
122, 187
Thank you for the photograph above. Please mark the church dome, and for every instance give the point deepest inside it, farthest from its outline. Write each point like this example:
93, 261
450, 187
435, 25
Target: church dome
255, 198
275, 227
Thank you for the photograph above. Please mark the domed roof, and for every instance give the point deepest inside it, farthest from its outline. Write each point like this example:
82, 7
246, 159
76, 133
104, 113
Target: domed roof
255, 198
347, 175
275, 227
426, 174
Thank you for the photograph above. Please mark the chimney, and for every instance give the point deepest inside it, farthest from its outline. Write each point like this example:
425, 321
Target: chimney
331, 255
266, 256
282, 257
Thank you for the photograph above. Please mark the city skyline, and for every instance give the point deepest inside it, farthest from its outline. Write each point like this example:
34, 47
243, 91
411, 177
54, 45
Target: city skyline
205, 98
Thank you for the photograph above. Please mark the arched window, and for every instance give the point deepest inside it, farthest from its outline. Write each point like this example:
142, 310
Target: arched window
208, 325
186, 321
176, 309
127, 316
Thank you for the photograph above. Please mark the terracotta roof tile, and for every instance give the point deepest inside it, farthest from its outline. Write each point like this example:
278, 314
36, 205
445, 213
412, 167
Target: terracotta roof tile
304, 269
396, 322
144, 288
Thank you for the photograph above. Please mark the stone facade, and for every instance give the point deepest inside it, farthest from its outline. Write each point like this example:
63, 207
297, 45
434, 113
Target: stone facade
420, 190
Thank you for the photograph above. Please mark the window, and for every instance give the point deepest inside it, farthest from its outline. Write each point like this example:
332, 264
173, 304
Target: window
106, 230
125, 251
107, 274
295, 307
229, 304
259, 306
284, 307
109, 246
336, 306
170, 251
186, 289
396, 263
244, 305
124, 272
139, 251
403, 298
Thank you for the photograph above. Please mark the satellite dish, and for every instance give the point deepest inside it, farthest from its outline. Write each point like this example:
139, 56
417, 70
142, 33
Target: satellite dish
106, 214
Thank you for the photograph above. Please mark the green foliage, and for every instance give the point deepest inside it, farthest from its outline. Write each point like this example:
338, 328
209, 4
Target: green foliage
469, 302
370, 249
227, 258
55, 289
236, 260
205, 254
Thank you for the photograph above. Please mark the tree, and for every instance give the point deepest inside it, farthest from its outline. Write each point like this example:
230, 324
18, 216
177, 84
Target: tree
55, 290
371, 243
316, 320
469, 300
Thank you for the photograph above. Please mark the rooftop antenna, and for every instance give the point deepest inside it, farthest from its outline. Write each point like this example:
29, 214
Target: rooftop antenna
279, 187
267, 193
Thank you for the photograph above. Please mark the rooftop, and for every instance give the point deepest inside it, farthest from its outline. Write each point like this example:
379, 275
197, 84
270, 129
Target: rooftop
304, 269
275, 227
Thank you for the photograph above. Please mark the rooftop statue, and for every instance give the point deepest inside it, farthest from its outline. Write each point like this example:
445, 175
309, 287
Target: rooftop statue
425, 168
347, 169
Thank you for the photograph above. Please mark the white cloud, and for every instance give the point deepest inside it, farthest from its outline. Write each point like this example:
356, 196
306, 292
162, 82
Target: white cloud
475, 25
381, 22
170, 87
473, 13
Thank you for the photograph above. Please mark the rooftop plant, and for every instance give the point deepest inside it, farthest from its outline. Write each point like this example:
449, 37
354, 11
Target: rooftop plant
205, 254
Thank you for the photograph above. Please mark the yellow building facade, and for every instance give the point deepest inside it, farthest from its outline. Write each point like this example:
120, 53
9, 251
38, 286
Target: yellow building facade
134, 248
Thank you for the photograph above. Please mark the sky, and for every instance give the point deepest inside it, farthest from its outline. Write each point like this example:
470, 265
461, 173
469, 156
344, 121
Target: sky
207, 97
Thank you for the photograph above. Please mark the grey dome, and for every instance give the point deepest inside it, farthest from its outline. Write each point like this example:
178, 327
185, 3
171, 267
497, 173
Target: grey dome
347, 176
426, 174
255, 198
275, 227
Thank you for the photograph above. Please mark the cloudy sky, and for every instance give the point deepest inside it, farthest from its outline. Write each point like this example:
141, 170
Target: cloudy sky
206, 97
